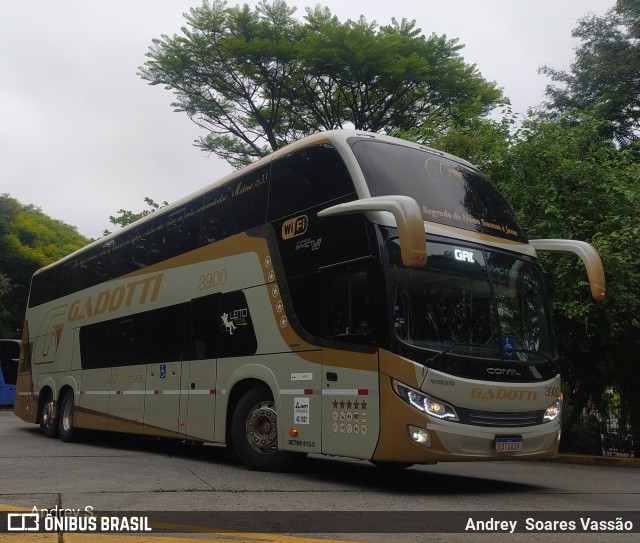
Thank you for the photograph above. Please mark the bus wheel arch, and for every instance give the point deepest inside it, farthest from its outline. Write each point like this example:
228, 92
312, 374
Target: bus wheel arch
253, 428
47, 413
66, 413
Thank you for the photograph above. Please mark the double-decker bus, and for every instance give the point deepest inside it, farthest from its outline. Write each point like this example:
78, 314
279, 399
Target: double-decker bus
352, 294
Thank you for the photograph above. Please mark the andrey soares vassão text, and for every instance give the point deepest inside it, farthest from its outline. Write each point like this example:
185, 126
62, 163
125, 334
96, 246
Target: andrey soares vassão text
530, 524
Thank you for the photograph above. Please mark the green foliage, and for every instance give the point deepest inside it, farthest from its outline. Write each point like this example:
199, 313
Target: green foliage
565, 180
604, 74
483, 142
29, 240
257, 80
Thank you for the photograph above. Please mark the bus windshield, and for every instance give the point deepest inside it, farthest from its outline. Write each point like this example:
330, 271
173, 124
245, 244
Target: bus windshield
471, 302
448, 192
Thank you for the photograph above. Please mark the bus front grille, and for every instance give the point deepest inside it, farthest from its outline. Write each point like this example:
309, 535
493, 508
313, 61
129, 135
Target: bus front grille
491, 418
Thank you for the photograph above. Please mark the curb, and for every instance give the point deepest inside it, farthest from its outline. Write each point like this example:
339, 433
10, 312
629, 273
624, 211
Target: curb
587, 460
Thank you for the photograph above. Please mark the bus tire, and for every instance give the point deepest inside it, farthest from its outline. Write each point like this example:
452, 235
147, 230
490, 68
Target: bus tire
66, 429
254, 432
48, 416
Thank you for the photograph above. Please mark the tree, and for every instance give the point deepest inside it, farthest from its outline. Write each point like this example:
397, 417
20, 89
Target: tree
605, 75
484, 142
127, 217
257, 80
565, 180
29, 240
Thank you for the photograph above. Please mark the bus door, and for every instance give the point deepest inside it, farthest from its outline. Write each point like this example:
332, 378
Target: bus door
198, 399
126, 379
350, 394
162, 398
165, 353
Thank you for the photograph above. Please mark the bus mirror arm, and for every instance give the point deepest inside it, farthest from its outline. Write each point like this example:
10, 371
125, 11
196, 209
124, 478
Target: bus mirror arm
587, 254
409, 221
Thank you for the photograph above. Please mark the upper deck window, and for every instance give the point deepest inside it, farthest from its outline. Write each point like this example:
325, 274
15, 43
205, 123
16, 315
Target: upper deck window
448, 193
306, 178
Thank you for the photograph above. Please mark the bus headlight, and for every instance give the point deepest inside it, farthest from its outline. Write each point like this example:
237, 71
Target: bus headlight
425, 403
552, 412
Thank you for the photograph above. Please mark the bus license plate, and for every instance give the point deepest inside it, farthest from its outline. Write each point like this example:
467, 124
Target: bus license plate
509, 444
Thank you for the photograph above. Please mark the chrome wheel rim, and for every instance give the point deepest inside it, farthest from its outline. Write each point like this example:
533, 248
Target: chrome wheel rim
48, 414
262, 428
67, 416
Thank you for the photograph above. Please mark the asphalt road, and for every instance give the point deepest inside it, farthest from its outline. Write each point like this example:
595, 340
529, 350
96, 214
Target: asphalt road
132, 475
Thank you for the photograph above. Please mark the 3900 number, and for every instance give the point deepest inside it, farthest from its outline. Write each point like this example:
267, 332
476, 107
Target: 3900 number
213, 279
552, 391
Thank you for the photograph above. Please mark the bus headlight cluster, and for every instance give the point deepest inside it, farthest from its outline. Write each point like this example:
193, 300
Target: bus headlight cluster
425, 403
553, 411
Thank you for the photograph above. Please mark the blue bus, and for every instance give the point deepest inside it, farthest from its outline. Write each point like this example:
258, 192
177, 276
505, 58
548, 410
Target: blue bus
9, 356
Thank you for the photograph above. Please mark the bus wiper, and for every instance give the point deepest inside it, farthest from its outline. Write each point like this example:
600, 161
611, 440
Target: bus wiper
445, 351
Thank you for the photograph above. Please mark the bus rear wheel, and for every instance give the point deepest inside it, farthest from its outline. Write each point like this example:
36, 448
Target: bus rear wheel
48, 418
254, 432
66, 429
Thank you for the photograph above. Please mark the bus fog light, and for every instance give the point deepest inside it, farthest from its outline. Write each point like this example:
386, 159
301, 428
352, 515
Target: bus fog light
420, 435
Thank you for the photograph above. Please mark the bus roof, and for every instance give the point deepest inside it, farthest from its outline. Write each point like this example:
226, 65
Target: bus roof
338, 138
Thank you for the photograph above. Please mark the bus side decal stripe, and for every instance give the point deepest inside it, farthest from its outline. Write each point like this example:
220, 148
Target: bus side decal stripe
348, 392
208, 391
301, 391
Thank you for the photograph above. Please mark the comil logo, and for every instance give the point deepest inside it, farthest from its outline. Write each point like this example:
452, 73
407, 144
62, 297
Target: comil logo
295, 227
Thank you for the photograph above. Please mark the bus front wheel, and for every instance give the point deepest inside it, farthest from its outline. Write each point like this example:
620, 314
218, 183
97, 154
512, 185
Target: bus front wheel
48, 418
254, 432
66, 429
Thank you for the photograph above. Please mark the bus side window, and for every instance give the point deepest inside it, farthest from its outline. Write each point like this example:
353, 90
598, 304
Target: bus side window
305, 179
236, 335
350, 309
204, 327
9, 354
336, 306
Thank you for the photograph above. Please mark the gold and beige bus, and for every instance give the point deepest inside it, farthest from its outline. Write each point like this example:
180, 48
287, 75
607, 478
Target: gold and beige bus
352, 294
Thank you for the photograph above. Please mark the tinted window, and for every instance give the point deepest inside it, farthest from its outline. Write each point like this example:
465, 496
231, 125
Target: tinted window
145, 338
306, 178
235, 327
220, 325
471, 301
338, 304
235, 207
447, 192
204, 327
9, 354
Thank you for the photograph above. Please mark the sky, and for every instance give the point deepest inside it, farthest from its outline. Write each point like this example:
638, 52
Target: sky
82, 135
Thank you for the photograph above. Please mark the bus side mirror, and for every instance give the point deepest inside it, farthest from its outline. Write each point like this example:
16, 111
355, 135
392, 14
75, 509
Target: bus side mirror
409, 221
586, 252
